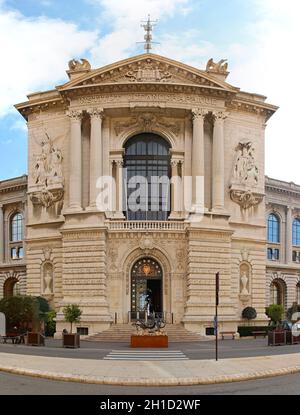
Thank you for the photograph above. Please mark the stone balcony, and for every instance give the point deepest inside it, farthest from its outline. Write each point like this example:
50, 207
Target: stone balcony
146, 226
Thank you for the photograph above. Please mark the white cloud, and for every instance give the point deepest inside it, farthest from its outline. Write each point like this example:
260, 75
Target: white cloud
124, 18
35, 54
269, 65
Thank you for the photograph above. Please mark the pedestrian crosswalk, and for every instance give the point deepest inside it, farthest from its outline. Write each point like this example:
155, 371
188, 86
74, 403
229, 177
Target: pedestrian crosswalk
157, 355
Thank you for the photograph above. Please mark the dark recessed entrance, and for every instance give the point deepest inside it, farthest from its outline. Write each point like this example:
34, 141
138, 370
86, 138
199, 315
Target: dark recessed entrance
146, 282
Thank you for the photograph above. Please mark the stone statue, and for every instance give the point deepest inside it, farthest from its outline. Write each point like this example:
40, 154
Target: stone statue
48, 279
79, 65
219, 67
244, 283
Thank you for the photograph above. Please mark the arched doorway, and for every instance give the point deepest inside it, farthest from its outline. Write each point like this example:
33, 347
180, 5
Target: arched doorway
11, 287
146, 281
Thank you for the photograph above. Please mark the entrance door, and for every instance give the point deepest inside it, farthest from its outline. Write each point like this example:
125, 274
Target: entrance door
146, 283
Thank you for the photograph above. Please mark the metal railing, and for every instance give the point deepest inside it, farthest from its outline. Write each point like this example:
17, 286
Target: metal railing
137, 315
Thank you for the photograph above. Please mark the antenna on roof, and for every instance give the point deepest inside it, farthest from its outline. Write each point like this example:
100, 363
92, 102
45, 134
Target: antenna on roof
148, 27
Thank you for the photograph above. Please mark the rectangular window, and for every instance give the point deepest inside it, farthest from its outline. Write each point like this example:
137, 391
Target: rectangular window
295, 256
276, 254
14, 253
83, 331
21, 253
270, 254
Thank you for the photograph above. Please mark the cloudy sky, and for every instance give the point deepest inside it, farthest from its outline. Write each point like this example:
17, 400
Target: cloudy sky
260, 38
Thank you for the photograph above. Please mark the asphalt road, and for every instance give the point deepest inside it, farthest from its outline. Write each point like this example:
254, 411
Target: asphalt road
23, 385
201, 350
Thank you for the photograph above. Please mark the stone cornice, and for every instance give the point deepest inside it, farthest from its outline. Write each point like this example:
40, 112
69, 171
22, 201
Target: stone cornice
282, 188
14, 184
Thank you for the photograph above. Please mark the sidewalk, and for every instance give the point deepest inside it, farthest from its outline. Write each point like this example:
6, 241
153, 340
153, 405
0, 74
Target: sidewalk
130, 373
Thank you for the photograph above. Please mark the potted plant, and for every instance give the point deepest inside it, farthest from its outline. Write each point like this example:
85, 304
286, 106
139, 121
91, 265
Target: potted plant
72, 314
276, 337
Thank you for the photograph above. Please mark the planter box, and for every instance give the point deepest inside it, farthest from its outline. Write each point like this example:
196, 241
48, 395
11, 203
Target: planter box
35, 339
71, 340
149, 341
277, 338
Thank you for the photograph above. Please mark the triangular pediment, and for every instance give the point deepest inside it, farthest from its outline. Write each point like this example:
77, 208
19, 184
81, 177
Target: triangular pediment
148, 68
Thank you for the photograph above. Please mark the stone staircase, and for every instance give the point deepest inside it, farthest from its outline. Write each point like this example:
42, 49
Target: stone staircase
122, 332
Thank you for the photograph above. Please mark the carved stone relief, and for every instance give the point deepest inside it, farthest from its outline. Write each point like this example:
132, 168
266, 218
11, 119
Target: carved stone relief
47, 275
245, 177
147, 122
48, 177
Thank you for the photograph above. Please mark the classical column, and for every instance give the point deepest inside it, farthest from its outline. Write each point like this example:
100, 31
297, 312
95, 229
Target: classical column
1, 234
175, 191
119, 189
198, 156
289, 235
218, 182
75, 186
96, 116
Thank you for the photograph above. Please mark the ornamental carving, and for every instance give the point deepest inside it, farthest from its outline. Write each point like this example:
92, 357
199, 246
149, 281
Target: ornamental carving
79, 65
245, 177
147, 122
47, 174
245, 169
217, 67
246, 199
146, 243
148, 73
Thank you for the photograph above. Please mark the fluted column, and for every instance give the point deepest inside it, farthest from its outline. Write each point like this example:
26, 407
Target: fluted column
1, 234
289, 235
197, 153
75, 187
96, 168
218, 181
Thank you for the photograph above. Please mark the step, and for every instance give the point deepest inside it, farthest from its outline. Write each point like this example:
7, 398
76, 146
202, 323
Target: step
122, 333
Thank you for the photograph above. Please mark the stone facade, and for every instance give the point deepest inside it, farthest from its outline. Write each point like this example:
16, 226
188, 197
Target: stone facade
76, 253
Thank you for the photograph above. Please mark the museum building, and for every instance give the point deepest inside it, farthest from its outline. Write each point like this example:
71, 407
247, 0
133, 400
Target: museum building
143, 117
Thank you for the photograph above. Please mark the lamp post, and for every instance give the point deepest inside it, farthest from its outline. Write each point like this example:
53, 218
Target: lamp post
216, 316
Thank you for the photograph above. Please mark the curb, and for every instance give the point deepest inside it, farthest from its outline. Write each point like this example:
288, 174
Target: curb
151, 382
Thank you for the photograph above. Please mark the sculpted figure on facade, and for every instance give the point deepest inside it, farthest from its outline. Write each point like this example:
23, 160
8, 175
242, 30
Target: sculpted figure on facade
245, 177
79, 65
47, 174
218, 67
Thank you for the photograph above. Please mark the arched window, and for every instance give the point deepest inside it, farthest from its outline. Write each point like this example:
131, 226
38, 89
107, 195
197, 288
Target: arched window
11, 287
16, 227
273, 229
298, 293
277, 292
296, 232
147, 164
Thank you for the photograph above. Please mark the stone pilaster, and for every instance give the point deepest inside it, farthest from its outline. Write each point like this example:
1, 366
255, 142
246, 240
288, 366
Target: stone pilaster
75, 179
175, 191
218, 162
1, 234
289, 235
119, 189
96, 115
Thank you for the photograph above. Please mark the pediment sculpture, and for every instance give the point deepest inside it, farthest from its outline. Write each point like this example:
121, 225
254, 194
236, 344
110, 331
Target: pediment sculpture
217, 67
245, 177
47, 174
79, 65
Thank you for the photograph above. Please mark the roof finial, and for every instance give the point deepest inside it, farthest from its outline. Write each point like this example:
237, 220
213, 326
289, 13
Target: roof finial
148, 27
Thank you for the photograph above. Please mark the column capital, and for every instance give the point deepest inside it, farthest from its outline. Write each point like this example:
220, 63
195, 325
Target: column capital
96, 113
75, 115
220, 115
199, 113
175, 162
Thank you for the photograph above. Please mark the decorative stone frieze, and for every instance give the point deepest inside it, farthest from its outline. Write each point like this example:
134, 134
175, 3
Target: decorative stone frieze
147, 122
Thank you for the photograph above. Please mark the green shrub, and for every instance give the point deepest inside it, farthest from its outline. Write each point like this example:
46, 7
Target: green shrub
247, 331
20, 311
50, 323
249, 313
275, 312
